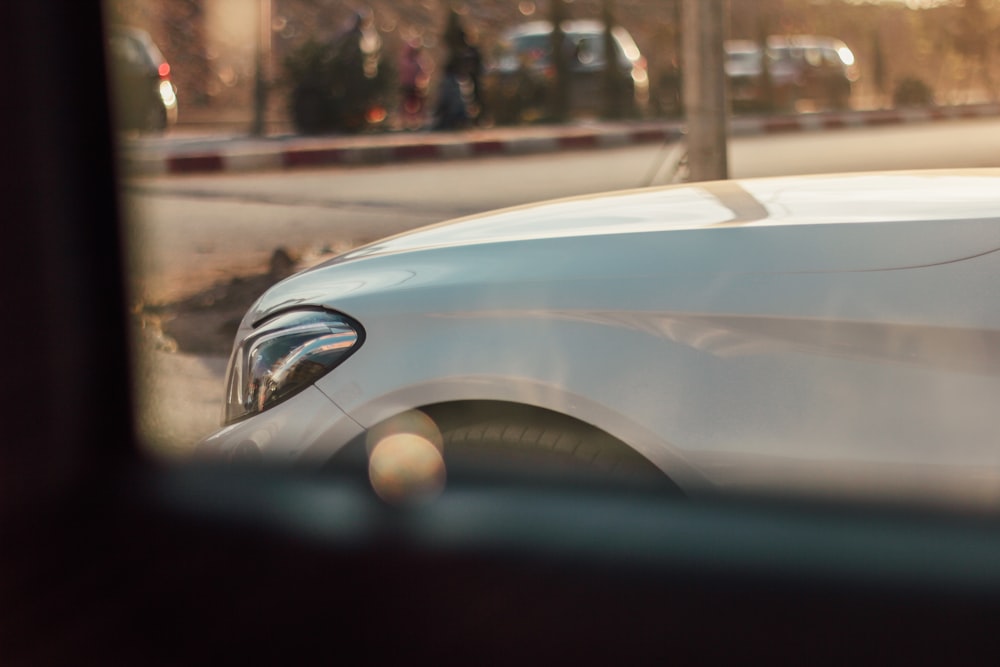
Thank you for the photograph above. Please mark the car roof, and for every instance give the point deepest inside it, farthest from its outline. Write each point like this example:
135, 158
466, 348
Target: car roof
545, 27
741, 46
586, 27
803, 41
130, 31
138, 35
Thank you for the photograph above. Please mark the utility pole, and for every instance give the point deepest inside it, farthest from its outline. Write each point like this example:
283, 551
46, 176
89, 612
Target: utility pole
262, 62
559, 100
612, 84
706, 106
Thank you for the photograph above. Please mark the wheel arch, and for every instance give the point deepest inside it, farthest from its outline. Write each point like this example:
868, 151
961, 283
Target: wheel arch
457, 411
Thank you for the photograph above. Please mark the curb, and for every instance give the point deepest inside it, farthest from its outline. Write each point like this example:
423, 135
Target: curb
875, 118
245, 154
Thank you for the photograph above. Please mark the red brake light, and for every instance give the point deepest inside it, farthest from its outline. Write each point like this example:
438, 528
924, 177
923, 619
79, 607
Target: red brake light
164, 70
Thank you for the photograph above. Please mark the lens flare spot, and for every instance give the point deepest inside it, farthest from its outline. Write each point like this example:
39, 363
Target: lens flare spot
375, 115
406, 468
412, 422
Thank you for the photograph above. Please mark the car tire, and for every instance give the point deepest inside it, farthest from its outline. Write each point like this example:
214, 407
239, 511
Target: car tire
540, 440
156, 119
841, 96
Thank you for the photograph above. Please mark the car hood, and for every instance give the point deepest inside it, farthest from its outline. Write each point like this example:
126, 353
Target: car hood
835, 223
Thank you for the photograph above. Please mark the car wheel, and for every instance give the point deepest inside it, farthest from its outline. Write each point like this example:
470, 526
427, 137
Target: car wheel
790, 103
156, 119
841, 97
534, 439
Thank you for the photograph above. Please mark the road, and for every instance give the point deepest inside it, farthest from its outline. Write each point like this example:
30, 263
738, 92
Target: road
188, 233
204, 228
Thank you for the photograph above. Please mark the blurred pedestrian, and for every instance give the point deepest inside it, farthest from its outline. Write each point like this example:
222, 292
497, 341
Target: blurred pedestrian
358, 52
413, 82
452, 109
454, 37
451, 112
472, 59
349, 53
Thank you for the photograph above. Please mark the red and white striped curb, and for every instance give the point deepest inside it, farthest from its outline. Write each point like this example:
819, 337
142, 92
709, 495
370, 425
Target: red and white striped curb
257, 155
833, 121
298, 152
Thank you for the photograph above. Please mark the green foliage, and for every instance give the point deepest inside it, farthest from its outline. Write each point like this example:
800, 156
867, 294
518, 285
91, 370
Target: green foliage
332, 88
309, 61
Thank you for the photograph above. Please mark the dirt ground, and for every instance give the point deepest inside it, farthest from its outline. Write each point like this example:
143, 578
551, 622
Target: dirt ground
181, 349
205, 322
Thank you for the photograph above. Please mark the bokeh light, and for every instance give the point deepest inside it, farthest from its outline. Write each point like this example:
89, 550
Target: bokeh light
405, 468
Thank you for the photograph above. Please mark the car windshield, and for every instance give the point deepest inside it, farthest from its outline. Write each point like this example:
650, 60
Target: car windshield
536, 49
744, 57
343, 227
531, 44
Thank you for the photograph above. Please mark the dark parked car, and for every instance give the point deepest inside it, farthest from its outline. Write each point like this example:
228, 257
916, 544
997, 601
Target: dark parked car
146, 98
803, 71
521, 75
747, 89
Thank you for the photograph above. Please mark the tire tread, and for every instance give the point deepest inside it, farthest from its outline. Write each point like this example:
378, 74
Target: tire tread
561, 441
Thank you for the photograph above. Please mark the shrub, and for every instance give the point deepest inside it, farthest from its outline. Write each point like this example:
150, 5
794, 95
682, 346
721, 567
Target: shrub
330, 91
912, 92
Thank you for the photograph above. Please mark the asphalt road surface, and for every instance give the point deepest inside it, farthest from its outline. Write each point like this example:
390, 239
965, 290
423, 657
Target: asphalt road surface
189, 233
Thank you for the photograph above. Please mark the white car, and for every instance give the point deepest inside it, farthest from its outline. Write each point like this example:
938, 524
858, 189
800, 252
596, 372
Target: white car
828, 333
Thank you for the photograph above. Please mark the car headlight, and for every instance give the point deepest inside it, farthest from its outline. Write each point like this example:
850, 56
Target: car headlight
167, 93
285, 355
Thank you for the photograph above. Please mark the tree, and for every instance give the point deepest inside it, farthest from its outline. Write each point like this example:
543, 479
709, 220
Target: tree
559, 95
613, 93
973, 39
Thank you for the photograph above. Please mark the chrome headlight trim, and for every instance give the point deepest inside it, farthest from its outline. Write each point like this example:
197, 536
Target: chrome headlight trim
285, 354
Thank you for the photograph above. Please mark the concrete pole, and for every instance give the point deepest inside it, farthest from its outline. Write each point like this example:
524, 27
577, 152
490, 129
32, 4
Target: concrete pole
559, 95
611, 87
262, 63
705, 100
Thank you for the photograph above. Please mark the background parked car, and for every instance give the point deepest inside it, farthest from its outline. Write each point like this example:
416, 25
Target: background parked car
521, 75
744, 70
146, 98
817, 70
820, 69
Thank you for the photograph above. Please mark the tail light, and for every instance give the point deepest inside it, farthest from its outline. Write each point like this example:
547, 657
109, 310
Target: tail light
163, 70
